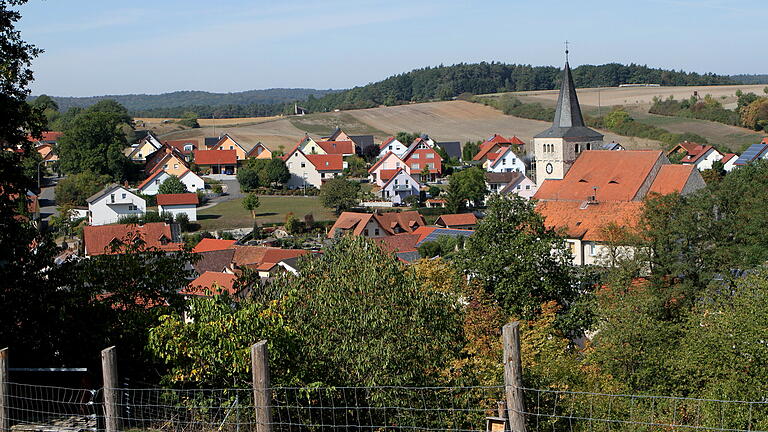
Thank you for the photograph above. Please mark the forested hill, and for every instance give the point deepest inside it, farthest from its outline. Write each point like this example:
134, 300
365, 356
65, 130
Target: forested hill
143, 102
445, 82
751, 79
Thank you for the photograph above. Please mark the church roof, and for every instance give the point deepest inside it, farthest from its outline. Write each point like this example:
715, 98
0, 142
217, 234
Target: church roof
569, 122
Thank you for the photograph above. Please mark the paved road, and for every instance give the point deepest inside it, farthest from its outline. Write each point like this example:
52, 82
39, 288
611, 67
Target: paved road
232, 189
47, 198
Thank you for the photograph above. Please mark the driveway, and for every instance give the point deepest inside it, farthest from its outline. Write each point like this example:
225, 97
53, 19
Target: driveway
232, 191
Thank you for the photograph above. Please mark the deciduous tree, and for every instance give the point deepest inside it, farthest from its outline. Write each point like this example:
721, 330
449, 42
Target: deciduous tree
339, 194
172, 185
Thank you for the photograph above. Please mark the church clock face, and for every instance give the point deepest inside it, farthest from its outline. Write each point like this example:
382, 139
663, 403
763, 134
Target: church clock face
549, 168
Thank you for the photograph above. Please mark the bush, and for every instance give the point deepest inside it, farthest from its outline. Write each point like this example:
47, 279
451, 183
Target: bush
183, 220
217, 188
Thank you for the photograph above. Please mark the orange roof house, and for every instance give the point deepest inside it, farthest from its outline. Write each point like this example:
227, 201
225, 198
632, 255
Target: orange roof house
681, 179
215, 157
105, 239
177, 199
376, 224
344, 148
460, 221
700, 155
167, 159
259, 151
226, 142
211, 283
209, 244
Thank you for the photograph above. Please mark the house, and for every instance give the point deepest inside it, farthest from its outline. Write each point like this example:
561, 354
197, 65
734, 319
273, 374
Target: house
377, 224
167, 159
729, 161
217, 161
209, 142
421, 156
510, 182
146, 146
219, 261
360, 141
337, 135
307, 145
185, 147
46, 146
505, 160
385, 168
494, 144
436, 203
107, 239
607, 188
312, 169
226, 142
699, 155
259, 151
151, 184
392, 145
343, 148
211, 283
263, 260
613, 146
176, 204
211, 244
451, 148
113, 202
399, 186
457, 221
753, 153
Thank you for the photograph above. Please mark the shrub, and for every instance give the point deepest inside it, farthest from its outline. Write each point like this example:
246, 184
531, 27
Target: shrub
183, 220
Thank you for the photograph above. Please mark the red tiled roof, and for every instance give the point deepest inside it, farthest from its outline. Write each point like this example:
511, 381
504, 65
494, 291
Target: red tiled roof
263, 258
485, 148
671, 179
728, 156
449, 220
589, 223
177, 199
330, 162
386, 142
47, 136
405, 242
98, 239
694, 151
215, 157
350, 221
618, 176
179, 145
517, 141
394, 222
151, 177
387, 174
211, 283
209, 244
337, 147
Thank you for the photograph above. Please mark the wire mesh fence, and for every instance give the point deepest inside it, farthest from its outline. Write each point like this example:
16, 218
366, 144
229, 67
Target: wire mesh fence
336, 409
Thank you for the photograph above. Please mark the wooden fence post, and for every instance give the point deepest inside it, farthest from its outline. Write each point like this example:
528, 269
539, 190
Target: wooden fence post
109, 376
5, 420
262, 395
513, 377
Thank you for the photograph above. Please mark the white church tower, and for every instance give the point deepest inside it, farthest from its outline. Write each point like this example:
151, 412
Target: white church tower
558, 147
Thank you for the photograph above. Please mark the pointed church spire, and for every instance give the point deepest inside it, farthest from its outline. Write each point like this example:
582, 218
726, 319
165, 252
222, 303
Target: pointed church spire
568, 119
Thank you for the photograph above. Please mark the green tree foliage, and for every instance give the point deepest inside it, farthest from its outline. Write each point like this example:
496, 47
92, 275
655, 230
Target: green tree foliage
75, 189
95, 141
45, 102
357, 166
172, 185
407, 334
517, 259
707, 109
407, 138
292, 224
469, 185
339, 194
444, 246
263, 172
251, 203
755, 115
470, 149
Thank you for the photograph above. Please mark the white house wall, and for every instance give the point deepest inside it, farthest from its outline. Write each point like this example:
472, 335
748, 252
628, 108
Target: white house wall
189, 209
102, 211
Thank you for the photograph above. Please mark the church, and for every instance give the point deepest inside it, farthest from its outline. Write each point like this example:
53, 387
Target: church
585, 189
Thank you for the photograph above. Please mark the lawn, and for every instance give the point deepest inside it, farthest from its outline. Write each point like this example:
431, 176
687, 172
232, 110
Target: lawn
231, 214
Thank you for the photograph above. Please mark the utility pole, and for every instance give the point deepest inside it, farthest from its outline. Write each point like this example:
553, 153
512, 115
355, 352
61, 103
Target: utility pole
513, 377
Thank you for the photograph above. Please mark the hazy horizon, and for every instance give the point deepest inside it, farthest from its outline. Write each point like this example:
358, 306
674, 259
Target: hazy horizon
95, 49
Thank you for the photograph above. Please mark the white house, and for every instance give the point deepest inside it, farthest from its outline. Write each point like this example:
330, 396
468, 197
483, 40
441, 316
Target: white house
400, 186
312, 169
146, 146
113, 202
729, 161
505, 160
521, 186
151, 184
698, 155
178, 203
392, 145
385, 168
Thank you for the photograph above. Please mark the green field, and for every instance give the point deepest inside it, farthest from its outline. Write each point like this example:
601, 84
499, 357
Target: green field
231, 214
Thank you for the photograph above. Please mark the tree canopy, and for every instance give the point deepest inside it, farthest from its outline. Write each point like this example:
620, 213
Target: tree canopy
339, 194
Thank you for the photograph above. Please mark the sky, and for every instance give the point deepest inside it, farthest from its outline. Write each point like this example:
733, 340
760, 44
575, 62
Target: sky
97, 47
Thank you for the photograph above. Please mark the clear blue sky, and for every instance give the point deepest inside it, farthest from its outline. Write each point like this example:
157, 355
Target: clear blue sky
96, 47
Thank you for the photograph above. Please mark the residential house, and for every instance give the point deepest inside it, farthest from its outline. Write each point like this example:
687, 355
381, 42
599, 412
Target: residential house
405, 246
422, 156
753, 153
185, 147
259, 151
211, 283
496, 181
494, 144
145, 147
151, 185
113, 202
400, 186
436, 203
605, 188
312, 169
385, 168
521, 186
46, 146
343, 148
167, 159
217, 161
264, 260
219, 261
505, 160
392, 145
212, 244
699, 155
457, 221
226, 142
110, 239
729, 161
374, 225
175, 204
360, 141
451, 148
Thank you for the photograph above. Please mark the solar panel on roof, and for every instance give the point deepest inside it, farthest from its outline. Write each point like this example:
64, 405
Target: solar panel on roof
751, 154
445, 232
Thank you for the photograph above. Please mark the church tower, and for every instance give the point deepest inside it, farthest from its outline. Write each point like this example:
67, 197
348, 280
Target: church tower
558, 147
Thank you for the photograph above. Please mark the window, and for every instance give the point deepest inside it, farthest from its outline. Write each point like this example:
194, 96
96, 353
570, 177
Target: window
518, 187
303, 165
431, 166
112, 197
592, 249
188, 147
123, 196
395, 181
390, 148
578, 148
365, 232
406, 182
503, 161
527, 187
322, 175
589, 146
175, 166
430, 155
376, 231
157, 181
132, 208
414, 166
231, 147
139, 155
415, 156
165, 166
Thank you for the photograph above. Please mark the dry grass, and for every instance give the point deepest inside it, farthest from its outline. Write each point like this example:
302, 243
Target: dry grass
150, 121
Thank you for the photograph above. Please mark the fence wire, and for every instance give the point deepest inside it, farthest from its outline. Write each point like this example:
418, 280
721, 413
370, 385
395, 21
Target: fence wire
353, 409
